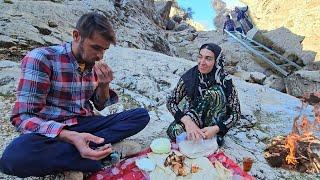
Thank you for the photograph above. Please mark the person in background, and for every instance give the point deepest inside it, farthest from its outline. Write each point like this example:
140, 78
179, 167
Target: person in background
58, 89
228, 25
212, 106
242, 18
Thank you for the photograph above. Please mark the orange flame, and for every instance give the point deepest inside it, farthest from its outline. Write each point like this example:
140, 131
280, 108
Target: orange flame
291, 142
304, 130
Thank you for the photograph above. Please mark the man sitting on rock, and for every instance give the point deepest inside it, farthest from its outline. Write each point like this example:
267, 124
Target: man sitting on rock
56, 95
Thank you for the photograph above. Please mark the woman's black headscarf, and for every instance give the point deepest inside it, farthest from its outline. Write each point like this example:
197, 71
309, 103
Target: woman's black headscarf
195, 82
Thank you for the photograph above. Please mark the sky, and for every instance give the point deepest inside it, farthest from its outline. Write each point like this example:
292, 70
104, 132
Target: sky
203, 10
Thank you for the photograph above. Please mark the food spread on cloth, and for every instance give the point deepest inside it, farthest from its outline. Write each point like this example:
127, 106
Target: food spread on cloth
188, 163
158, 163
177, 166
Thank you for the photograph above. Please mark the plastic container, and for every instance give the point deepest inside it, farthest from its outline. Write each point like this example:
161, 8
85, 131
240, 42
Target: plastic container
115, 158
161, 146
181, 137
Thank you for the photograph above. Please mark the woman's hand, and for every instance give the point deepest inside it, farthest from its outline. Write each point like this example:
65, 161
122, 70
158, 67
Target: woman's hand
193, 131
210, 131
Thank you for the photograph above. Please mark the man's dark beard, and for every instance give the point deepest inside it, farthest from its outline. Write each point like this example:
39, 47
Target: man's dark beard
78, 56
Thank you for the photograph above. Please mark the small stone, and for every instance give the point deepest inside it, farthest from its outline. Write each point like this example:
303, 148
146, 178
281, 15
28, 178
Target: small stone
8, 1
73, 175
52, 24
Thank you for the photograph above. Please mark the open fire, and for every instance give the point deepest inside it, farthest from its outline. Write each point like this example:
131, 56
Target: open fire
300, 150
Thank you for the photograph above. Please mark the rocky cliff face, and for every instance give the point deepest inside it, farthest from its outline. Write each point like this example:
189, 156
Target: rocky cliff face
27, 24
300, 17
221, 11
176, 11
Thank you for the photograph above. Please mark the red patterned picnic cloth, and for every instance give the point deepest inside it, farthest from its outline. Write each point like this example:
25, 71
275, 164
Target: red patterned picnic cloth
127, 170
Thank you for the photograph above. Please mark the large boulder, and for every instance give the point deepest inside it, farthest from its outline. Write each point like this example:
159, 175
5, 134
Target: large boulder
170, 25
285, 43
275, 82
304, 81
182, 27
253, 77
299, 17
291, 44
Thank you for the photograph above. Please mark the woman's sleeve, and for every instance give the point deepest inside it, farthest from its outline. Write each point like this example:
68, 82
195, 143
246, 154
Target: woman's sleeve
233, 111
173, 100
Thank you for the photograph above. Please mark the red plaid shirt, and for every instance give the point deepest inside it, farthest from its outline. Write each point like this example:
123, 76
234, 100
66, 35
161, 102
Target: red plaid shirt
52, 91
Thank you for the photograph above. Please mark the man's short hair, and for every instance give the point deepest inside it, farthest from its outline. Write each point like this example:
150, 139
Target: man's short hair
94, 22
228, 16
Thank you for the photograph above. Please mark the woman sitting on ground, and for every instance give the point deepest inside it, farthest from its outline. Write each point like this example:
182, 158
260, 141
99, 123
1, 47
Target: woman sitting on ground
212, 106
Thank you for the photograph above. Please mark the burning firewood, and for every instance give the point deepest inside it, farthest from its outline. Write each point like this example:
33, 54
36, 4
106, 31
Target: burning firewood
306, 157
300, 150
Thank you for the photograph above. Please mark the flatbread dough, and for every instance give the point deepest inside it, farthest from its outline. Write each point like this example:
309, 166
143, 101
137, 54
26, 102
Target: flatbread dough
222, 172
203, 148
